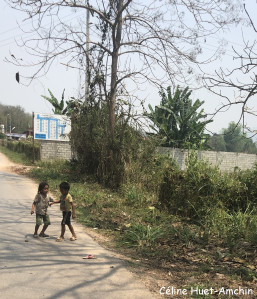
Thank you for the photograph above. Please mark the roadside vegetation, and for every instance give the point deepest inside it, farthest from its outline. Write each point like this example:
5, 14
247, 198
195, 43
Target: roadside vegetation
198, 223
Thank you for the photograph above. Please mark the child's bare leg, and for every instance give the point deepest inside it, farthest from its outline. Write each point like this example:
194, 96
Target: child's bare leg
62, 231
43, 229
36, 229
72, 230
61, 238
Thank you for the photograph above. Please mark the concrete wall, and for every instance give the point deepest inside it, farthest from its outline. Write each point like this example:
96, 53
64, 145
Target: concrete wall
55, 150
224, 160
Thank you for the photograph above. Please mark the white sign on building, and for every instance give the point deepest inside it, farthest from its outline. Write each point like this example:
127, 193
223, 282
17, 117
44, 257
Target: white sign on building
51, 127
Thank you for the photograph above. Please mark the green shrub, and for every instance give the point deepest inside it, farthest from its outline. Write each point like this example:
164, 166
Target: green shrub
2, 136
193, 192
201, 188
248, 182
231, 227
54, 170
147, 169
252, 230
25, 147
100, 153
141, 235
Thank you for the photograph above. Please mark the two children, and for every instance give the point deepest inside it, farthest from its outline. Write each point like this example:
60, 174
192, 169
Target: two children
41, 203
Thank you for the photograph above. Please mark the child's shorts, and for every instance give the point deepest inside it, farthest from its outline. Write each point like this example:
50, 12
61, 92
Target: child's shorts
66, 217
45, 219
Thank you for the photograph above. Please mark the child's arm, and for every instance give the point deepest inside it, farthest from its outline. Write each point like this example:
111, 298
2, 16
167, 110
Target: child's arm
73, 210
53, 202
32, 208
36, 200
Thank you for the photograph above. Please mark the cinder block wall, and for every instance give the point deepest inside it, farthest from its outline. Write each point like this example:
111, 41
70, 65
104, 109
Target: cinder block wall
224, 160
61, 150
55, 150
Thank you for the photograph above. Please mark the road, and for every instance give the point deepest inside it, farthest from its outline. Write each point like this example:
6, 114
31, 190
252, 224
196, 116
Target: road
43, 268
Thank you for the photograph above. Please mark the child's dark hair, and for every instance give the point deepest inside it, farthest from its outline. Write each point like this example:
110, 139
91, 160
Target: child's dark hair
64, 186
42, 186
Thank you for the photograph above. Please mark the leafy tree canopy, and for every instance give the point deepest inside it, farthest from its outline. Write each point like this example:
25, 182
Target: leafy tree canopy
233, 139
217, 143
15, 117
237, 141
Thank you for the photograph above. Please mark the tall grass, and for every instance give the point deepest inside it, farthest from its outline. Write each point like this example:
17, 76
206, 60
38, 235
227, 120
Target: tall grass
202, 189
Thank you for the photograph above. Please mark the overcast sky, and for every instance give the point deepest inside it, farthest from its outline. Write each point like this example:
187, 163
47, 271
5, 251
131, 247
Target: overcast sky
59, 77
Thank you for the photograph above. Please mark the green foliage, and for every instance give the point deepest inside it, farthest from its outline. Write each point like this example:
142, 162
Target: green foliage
146, 169
2, 136
15, 116
25, 147
140, 235
201, 188
59, 107
98, 153
248, 182
134, 196
217, 143
231, 227
246, 274
55, 171
233, 139
16, 157
177, 121
191, 193
252, 231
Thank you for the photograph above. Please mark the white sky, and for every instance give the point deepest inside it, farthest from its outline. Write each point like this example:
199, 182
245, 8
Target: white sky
59, 77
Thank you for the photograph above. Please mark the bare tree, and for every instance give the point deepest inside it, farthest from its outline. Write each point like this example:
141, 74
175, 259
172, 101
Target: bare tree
131, 42
241, 79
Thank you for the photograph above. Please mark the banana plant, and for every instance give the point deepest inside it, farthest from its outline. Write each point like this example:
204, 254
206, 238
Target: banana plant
178, 121
60, 107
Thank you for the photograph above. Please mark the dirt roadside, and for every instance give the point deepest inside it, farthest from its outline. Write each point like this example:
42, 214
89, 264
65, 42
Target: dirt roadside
8, 166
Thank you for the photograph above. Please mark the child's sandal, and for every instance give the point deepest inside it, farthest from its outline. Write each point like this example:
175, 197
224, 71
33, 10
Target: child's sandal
73, 238
43, 235
59, 239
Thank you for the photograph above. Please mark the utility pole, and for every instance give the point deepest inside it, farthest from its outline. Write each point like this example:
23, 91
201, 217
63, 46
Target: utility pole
10, 124
87, 57
6, 128
33, 140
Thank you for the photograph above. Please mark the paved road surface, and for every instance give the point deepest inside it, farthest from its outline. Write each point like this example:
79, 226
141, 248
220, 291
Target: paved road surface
31, 268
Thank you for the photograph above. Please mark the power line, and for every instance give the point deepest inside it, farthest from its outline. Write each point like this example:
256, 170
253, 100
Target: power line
30, 35
14, 28
27, 22
13, 38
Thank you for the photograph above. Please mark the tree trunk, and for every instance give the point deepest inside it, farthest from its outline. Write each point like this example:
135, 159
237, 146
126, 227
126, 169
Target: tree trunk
116, 37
